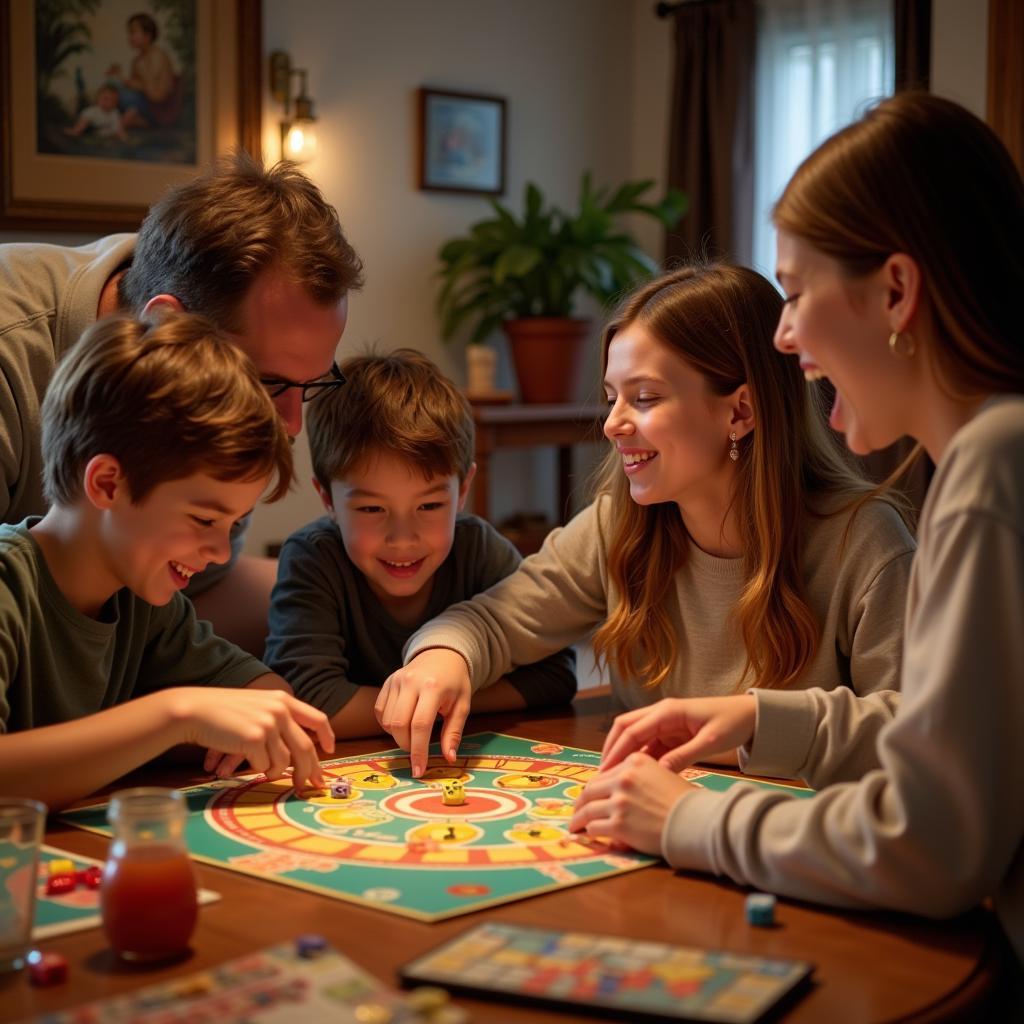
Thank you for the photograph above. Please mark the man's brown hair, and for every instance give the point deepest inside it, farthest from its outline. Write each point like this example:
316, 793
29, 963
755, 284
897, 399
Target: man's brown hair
166, 400
399, 404
205, 242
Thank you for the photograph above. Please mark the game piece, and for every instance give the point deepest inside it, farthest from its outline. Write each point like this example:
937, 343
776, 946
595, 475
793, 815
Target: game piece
61, 866
341, 789
90, 877
309, 946
59, 885
453, 792
373, 1013
46, 969
606, 974
449, 1015
427, 1000
761, 909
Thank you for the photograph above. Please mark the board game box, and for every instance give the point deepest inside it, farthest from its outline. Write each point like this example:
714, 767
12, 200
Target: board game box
393, 843
626, 979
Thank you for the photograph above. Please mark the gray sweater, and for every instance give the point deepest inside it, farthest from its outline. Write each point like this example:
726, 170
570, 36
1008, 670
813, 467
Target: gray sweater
557, 596
937, 822
329, 633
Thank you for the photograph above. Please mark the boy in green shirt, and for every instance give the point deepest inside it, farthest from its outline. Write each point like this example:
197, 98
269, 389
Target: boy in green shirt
393, 458
156, 440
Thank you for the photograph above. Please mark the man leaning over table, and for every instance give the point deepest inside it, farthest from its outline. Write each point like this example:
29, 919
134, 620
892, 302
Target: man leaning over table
258, 251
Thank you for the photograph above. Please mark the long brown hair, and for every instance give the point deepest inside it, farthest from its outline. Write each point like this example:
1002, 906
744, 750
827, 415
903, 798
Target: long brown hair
920, 175
721, 319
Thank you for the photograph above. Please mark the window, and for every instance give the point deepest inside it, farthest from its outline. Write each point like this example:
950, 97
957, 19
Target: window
819, 64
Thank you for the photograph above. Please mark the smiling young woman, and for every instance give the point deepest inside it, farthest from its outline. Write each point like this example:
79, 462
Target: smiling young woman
729, 543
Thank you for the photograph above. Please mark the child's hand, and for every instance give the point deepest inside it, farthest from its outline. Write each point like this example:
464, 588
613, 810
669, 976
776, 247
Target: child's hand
676, 732
629, 803
266, 727
434, 682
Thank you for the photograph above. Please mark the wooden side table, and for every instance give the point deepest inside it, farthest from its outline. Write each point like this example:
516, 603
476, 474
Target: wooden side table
530, 426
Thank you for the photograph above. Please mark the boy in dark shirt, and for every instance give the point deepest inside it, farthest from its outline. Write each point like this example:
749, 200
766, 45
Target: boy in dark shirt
393, 460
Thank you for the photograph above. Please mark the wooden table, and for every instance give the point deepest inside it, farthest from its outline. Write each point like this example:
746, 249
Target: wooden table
870, 967
530, 426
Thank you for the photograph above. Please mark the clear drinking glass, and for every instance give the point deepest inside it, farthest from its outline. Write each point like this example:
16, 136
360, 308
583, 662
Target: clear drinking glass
148, 894
21, 832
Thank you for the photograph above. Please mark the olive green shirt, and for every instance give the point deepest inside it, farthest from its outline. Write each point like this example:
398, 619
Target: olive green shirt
57, 664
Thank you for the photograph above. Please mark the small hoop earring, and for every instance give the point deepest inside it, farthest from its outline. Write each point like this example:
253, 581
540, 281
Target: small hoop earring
734, 452
902, 345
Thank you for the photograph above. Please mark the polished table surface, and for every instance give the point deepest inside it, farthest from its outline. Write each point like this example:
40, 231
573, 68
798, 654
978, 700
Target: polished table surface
869, 967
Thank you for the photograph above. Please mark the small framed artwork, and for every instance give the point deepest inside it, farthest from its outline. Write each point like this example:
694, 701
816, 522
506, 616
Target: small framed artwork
462, 142
106, 104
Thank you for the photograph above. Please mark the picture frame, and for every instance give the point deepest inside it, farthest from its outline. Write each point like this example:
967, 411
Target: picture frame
461, 142
105, 177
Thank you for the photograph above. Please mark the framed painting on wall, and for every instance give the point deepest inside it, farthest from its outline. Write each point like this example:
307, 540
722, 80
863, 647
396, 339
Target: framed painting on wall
462, 142
107, 103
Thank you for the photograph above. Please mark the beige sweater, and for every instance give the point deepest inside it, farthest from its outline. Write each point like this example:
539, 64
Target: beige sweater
559, 595
937, 823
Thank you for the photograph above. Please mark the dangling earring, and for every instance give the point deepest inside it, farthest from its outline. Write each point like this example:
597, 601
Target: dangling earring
902, 344
734, 452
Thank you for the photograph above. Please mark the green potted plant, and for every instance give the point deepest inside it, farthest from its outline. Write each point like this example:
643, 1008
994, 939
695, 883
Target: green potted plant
525, 274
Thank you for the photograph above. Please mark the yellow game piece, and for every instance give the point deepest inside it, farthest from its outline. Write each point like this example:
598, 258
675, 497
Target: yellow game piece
427, 1000
62, 867
453, 793
373, 1013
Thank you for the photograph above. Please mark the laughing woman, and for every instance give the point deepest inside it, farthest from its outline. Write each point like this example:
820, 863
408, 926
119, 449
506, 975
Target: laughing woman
730, 544
900, 252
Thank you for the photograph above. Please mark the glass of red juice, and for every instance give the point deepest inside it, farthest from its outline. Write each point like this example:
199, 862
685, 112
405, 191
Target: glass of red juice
148, 893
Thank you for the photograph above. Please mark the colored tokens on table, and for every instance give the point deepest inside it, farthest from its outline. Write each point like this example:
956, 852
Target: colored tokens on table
47, 968
58, 885
90, 877
309, 946
427, 1000
61, 866
761, 909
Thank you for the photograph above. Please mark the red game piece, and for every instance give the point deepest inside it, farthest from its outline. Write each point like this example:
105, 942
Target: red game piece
58, 885
47, 968
90, 877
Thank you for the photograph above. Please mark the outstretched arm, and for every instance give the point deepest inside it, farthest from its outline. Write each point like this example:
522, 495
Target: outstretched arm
62, 763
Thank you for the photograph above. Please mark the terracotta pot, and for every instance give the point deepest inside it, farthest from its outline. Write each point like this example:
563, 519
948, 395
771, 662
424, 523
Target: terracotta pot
548, 355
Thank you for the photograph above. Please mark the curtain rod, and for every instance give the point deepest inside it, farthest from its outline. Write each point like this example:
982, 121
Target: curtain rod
665, 10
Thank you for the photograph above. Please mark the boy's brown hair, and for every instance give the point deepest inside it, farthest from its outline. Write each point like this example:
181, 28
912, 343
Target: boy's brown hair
206, 242
166, 400
400, 404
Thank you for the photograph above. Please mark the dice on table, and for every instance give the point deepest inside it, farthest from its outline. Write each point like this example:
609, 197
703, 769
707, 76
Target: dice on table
453, 792
60, 885
341, 789
761, 909
46, 968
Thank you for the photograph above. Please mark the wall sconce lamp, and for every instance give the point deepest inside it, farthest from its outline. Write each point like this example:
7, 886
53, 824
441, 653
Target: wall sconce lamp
298, 129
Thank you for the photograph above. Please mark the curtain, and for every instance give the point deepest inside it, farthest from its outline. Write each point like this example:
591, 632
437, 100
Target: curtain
711, 133
819, 64
912, 33
1006, 74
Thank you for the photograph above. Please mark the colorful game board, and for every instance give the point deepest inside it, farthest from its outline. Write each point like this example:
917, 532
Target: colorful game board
393, 843
78, 909
273, 986
622, 978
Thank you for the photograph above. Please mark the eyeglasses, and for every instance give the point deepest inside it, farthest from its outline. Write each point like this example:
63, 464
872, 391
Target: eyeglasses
277, 386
